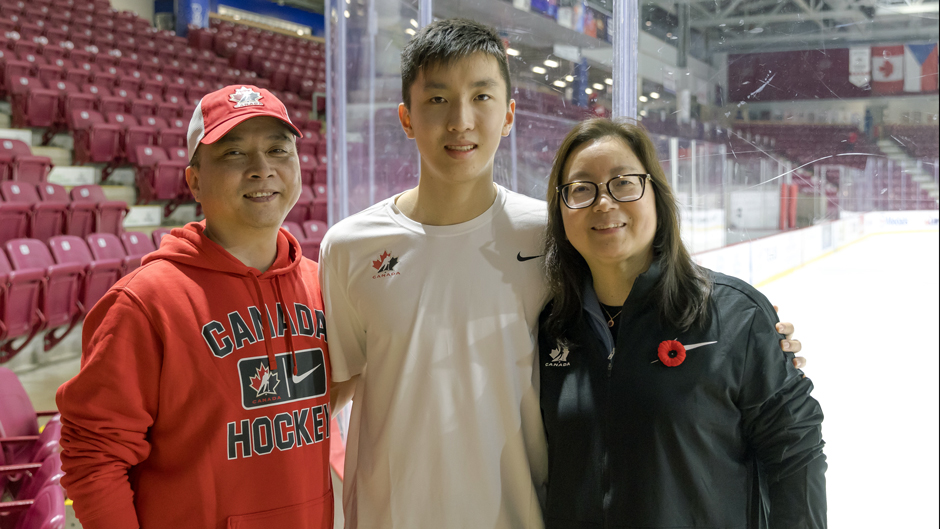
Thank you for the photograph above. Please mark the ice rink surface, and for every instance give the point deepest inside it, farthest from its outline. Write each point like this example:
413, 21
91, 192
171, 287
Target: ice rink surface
867, 316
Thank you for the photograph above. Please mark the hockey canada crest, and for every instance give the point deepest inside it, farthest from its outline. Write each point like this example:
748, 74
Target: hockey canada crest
559, 356
264, 382
385, 265
246, 97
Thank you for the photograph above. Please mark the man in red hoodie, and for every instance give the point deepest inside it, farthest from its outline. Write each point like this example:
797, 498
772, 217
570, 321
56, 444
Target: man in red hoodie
203, 397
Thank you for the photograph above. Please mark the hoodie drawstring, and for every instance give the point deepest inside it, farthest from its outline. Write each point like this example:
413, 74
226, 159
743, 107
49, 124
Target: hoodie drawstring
269, 349
290, 326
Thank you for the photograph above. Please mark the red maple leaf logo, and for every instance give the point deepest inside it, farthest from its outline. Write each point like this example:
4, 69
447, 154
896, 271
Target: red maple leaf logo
886, 68
264, 381
382, 258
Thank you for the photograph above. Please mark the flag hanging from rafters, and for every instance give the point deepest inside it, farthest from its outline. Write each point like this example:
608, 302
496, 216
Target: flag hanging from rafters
887, 69
860, 65
920, 68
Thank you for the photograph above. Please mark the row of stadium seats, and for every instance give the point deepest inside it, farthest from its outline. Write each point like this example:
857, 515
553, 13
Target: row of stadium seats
30, 469
17, 162
50, 286
45, 210
920, 141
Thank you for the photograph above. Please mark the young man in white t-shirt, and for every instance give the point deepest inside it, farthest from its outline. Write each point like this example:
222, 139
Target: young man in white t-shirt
434, 297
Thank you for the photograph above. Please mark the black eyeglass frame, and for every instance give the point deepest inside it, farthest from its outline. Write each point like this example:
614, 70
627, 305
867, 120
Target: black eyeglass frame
560, 189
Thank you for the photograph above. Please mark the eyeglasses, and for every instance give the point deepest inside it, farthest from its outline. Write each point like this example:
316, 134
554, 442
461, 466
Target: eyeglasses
622, 188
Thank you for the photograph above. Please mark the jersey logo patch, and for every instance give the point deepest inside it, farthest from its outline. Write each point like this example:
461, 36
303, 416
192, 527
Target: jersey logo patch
263, 385
385, 265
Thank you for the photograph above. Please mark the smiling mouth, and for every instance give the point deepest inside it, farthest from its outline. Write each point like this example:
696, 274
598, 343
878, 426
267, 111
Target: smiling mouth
460, 148
259, 194
609, 226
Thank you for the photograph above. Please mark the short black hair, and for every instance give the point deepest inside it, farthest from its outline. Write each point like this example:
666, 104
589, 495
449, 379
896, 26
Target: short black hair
445, 41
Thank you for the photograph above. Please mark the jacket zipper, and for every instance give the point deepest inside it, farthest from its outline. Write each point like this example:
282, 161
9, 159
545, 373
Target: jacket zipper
607, 499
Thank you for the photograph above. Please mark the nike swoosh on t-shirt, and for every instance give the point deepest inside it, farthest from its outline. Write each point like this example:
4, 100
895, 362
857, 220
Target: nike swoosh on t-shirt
299, 378
521, 259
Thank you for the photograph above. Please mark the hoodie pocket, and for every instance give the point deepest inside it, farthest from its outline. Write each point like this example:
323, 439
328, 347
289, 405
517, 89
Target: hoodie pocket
314, 514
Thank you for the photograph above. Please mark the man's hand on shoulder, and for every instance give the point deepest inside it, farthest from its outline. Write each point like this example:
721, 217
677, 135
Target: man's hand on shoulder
789, 344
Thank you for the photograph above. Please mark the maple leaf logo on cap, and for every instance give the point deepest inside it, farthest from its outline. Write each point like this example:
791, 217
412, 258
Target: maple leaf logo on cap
245, 97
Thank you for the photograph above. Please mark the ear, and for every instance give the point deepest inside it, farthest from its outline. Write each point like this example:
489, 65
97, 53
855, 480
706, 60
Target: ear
405, 118
192, 180
510, 117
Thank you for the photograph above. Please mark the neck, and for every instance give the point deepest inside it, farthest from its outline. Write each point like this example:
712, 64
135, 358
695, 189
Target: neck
438, 203
613, 282
257, 249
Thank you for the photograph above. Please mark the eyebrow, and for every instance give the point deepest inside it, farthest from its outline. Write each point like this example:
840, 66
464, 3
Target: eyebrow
616, 171
482, 83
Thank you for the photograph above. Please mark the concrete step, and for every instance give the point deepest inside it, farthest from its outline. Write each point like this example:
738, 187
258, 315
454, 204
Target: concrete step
4, 121
58, 155
23, 135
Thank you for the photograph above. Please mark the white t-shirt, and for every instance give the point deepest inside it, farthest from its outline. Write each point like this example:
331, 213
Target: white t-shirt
441, 321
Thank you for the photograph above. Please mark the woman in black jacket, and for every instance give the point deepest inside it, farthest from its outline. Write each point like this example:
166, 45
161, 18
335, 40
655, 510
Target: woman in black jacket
666, 399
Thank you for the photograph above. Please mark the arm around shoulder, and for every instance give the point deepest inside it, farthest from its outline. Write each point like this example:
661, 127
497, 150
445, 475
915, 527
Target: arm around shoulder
783, 423
107, 409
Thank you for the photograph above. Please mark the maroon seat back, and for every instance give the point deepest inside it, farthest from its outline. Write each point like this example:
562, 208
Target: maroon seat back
110, 213
99, 274
60, 303
26, 167
106, 246
19, 305
158, 234
136, 244
47, 510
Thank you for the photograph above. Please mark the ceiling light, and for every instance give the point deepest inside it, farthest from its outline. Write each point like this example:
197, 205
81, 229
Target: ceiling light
598, 86
512, 52
569, 78
669, 34
588, 91
654, 95
551, 64
609, 81
648, 23
560, 84
538, 69
644, 99
414, 22
643, 113
346, 13
410, 31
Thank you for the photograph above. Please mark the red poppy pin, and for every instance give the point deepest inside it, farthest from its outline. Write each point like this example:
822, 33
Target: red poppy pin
672, 353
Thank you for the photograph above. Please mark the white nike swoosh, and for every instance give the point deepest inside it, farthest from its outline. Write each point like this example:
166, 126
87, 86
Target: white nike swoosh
692, 346
299, 378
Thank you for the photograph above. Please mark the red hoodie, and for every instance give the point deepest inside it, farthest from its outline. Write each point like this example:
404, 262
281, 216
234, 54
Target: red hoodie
177, 420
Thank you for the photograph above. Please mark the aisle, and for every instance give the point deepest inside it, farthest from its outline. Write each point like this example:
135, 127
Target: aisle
868, 319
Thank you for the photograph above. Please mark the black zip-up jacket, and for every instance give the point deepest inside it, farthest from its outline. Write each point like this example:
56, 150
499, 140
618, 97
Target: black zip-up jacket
730, 438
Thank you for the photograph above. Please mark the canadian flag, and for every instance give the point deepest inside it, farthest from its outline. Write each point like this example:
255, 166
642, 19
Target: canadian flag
887, 69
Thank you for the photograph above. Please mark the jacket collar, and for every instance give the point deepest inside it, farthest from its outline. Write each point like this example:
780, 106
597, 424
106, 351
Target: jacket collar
637, 300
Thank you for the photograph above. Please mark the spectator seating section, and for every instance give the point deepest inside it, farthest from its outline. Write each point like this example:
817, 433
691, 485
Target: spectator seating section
34, 478
20, 292
920, 141
46, 511
14, 219
59, 305
109, 214
17, 162
158, 176
136, 244
81, 214
20, 439
99, 275
107, 246
46, 219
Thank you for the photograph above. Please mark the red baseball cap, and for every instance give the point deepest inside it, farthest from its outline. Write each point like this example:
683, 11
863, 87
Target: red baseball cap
222, 110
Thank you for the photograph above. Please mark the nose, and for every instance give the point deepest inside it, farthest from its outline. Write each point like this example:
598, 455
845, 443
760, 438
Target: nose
260, 167
603, 202
460, 118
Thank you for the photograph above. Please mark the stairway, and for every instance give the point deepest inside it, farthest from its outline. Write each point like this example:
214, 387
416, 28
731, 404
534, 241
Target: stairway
912, 166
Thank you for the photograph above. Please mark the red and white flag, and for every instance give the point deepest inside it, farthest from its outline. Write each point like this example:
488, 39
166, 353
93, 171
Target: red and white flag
860, 65
920, 68
887, 69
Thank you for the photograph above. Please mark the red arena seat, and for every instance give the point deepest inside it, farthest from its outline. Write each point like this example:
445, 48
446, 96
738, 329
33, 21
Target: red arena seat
46, 219
98, 276
106, 246
20, 290
21, 164
110, 213
59, 304
136, 244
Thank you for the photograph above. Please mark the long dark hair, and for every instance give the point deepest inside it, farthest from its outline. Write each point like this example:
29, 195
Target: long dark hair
683, 288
